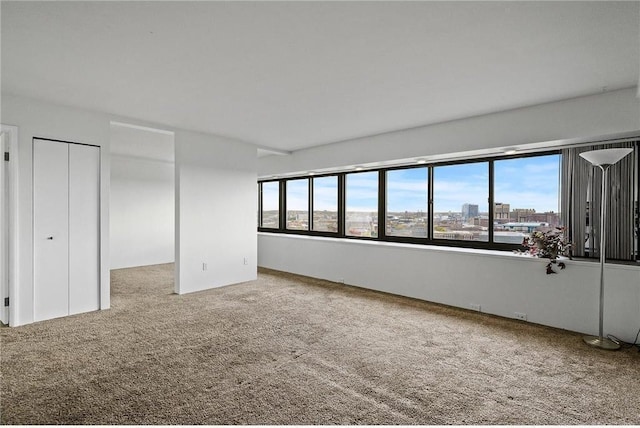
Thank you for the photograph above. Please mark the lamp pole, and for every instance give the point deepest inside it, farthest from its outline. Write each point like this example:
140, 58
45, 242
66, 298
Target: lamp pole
601, 341
603, 159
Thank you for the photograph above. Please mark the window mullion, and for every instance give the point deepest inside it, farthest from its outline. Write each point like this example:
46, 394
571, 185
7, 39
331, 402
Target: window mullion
259, 204
282, 220
310, 205
430, 204
341, 205
491, 203
382, 204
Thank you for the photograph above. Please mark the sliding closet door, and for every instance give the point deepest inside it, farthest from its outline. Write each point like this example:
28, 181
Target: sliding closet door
50, 229
84, 228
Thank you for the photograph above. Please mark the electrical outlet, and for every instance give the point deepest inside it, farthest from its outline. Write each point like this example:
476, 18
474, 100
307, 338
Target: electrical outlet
245, 261
204, 266
475, 307
520, 315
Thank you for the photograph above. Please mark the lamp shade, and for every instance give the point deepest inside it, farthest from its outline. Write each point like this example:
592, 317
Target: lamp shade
605, 156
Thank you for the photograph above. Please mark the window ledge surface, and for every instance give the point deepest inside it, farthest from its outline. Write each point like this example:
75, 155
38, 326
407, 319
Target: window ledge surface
476, 252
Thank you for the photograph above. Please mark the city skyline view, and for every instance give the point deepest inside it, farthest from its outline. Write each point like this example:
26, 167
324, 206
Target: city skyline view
523, 183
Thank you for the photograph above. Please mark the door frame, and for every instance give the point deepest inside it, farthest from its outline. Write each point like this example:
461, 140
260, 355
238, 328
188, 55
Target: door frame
9, 261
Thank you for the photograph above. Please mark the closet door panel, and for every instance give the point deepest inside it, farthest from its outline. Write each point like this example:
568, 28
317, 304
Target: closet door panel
4, 230
84, 228
50, 229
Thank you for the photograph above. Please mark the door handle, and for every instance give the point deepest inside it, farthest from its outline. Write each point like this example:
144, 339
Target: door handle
50, 238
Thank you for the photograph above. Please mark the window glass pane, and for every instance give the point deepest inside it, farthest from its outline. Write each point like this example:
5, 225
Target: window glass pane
325, 204
270, 204
407, 194
526, 195
460, 197
298, 204
361, 216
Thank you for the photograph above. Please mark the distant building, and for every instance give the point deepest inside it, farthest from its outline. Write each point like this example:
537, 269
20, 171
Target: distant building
529, 215
549, 217
527, 227
481, 221
501, 212
519, 215
469, 211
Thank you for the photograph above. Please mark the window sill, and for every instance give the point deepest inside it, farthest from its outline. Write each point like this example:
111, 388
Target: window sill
475, 252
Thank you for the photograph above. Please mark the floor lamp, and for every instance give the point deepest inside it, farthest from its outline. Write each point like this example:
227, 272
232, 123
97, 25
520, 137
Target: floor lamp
603, 159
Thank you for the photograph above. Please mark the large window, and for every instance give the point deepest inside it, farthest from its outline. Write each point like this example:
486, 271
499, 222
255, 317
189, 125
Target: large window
460, 198
271, 205
407, 202
298, 204
526, 195
325, 204
361, 215
488, 203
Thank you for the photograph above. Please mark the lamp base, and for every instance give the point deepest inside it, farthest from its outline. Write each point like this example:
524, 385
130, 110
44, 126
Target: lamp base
602, 343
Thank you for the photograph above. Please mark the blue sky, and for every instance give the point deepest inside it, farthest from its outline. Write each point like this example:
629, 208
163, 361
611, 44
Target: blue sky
407, 190
528, 182
325, 193
522, 183
456, 185
298, 194
362, 191
270, 196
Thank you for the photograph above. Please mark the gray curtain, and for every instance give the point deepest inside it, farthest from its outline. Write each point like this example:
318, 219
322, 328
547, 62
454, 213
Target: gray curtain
581, 198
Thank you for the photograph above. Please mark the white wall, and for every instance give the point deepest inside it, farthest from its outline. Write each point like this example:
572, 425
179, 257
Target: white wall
142, 212
39, 119
591, 116
215, 179
216, 204
500, 283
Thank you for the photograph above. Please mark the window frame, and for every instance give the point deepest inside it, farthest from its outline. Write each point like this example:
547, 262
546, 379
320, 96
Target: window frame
382, 199
260, 206
309, 202
344, 206
523, 156
489, 162
383, 194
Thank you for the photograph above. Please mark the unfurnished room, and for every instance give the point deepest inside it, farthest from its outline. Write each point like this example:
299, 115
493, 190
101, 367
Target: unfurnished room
320, 213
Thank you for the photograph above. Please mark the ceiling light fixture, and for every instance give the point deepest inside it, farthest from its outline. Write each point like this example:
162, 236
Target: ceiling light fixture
359, 168
421, 161
510, 152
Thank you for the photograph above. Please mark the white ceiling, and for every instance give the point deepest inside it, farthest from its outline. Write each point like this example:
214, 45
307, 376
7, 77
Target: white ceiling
290, 75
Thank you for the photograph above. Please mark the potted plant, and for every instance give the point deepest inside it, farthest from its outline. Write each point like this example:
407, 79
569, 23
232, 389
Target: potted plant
551, 244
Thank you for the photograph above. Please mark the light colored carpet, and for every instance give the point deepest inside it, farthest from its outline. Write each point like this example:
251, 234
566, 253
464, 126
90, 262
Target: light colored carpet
287, 349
